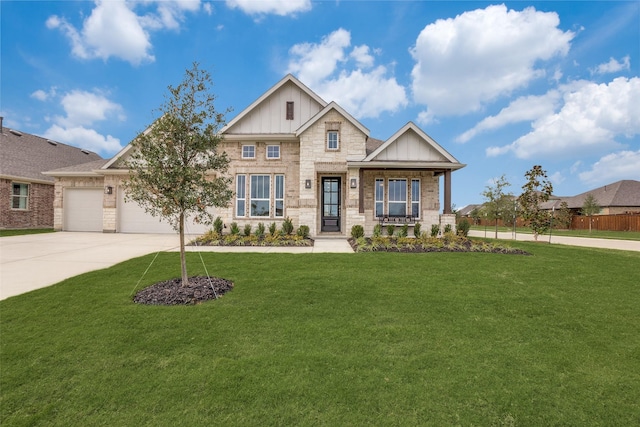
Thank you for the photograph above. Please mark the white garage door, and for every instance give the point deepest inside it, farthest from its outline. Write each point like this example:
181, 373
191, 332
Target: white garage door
132, 218
82, 209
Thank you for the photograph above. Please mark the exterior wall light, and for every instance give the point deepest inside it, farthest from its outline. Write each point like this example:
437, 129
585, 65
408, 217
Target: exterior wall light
354, 183
108, 190
307, 183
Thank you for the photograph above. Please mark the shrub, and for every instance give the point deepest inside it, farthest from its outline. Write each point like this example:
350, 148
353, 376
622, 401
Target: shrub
416, 230
390, 229
273, 228
247, 230
287, 226
303, 231
463, 227
357, 231
235, 230
260, 230
218, 225
447, 228
377, 230
404, 231
435, 230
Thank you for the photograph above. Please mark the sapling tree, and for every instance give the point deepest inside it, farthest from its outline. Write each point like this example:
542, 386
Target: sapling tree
537, 190
497, 202
176, 169
590, 207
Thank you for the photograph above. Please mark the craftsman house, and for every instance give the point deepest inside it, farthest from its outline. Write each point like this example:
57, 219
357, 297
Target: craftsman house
292, 155
26, 194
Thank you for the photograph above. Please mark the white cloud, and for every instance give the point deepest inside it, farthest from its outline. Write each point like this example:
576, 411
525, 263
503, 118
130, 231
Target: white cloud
481, 55
86, 108
362, 93
313, 62
591, 118
526, 108
83, 110
85, 138
114, 29
613, 66
42, 95
362, 56
276, 7
613, 167
556, 178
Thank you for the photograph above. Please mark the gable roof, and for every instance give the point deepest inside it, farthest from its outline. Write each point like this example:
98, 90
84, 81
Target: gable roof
26, 156
289, 78
332, 106
621, 193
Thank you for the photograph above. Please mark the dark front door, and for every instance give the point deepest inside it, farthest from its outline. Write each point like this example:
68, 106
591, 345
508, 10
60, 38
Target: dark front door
330, 204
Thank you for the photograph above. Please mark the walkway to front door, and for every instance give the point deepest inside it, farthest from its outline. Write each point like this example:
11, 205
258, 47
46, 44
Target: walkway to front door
330, 220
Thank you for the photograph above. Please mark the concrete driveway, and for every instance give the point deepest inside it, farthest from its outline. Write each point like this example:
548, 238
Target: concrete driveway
37, 260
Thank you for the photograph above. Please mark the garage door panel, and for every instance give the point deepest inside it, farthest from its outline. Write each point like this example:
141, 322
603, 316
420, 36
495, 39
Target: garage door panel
132, 218
82, 209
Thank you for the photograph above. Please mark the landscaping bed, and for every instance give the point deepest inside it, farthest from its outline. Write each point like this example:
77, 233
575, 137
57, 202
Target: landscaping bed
446, 243
171, 292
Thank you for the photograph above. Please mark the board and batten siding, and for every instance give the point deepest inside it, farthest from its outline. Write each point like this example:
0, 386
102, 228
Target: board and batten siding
409, 146
270, 116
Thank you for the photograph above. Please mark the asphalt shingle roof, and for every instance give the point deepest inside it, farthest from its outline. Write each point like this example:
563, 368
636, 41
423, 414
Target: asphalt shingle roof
26, 156
622, 193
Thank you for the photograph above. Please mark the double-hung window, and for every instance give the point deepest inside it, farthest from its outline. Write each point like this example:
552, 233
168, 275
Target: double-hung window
415, 198
379, 197
279, 196
248, 151
19, 196
260, 195
266, 196
398, 200
241, 195
332, 140
397, 197
273, 151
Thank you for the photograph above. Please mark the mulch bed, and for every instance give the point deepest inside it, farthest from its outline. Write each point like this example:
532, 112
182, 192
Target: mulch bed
171, 292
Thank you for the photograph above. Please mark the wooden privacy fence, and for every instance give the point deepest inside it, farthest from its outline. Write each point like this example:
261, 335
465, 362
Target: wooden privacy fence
622, 222
607, 222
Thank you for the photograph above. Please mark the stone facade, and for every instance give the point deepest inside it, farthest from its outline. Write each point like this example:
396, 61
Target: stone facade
39, 212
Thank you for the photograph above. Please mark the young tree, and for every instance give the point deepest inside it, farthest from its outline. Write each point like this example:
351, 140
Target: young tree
563, 217
175, 167
537, 190
590, 207
497, 201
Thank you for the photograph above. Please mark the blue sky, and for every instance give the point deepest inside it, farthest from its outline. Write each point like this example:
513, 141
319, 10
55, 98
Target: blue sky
501, 86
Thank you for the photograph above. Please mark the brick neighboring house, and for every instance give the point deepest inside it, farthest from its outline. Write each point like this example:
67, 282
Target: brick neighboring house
26, 195
292, 155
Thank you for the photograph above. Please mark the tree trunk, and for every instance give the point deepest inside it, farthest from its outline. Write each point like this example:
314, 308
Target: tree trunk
496, 228
183, 260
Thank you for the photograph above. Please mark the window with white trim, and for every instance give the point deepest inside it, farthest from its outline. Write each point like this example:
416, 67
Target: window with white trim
241, 195
332, 140
398, 200
19, 196
260, 195
248, 151
415, 198
273, 151
379, 197
397, 203
279, 196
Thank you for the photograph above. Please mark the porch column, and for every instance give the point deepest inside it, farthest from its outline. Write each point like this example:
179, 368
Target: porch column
447, 192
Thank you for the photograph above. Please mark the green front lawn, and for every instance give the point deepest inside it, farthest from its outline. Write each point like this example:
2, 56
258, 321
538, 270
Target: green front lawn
596, 234
334, 339
20, 232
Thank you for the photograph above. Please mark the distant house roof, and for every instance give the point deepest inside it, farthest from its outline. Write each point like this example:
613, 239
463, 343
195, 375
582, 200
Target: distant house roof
466, 211
26, 156
622, 193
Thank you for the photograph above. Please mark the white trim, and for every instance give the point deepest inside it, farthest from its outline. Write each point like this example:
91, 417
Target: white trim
248, 157
266, 153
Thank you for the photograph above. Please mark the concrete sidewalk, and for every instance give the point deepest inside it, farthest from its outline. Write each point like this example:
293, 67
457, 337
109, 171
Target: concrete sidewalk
34, 261
625, 245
